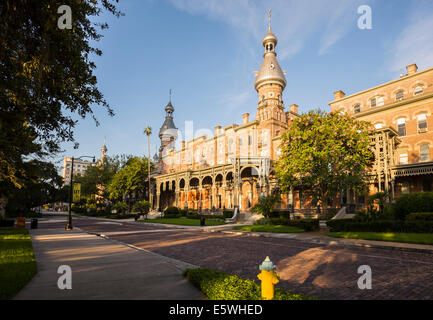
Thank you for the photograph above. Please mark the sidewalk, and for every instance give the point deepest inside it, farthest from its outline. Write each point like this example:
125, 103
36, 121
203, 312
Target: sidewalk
320, 238
103, 269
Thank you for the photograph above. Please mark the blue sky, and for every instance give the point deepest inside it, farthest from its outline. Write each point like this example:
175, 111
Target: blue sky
207, 52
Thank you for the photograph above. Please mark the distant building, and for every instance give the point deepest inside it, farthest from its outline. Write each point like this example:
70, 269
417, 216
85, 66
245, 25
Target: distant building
80, 167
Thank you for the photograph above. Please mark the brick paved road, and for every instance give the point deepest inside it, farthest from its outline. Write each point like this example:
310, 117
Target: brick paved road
323, 271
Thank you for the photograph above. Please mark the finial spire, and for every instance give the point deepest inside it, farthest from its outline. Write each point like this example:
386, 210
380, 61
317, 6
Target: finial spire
170, 95
270, 12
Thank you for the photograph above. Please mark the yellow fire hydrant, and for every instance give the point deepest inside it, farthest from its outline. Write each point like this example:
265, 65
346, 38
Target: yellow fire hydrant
269, 278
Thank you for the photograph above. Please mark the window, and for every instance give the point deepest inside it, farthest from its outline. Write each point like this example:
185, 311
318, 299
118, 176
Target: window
418, 90
401, 124
399, 95
378, 125
424, 152
404, 157
240, 142
422, 123
250, 140
373, 102
357, 108
380, 101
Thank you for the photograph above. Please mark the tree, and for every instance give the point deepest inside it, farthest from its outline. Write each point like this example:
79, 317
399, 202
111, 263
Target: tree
266, 204
96, 178
325, 153
44, 185
130, 178
46, 80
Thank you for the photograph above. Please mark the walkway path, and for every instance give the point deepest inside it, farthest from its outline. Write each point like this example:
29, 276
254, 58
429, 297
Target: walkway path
103, 269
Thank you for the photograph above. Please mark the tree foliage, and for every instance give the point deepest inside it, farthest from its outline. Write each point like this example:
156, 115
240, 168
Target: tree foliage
43, 185
325, 153
47, 80
96, 178
131, 177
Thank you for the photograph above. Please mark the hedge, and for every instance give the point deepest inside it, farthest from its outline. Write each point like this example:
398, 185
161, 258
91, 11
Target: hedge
305, 224
217, 285
7, 223
424, 216
413, 202
228, 214
415, 226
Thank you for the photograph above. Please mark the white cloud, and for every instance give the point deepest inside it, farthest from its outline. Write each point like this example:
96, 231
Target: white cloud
415, 43
294, 21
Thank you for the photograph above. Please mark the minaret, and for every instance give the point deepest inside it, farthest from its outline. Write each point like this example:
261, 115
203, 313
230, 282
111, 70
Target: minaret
103, 152
270, 82
168, 132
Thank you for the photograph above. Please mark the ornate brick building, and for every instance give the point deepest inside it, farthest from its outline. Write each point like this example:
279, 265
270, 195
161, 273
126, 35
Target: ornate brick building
234, 166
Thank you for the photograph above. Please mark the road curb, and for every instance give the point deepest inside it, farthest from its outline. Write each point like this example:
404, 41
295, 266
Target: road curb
322, 242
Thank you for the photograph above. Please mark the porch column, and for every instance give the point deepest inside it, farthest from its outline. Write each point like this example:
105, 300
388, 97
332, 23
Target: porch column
214, 195
158, 196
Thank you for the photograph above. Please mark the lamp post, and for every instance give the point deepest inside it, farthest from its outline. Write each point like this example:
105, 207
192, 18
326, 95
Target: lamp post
71, 190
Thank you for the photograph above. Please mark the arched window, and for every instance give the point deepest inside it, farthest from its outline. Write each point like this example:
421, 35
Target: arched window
401, 125
424, 152
399, 95
357, 108
419, 89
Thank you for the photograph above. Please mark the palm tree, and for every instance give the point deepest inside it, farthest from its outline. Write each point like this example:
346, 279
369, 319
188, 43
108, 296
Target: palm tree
148, 132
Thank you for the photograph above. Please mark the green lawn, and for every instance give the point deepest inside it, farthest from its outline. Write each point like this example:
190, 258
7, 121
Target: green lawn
421, 238
184, 221
17, 261
269, 228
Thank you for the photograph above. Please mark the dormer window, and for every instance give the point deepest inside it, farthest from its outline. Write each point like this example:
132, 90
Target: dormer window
418, 90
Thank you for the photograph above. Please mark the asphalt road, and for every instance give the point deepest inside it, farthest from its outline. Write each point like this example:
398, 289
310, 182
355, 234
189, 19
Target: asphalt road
329, 272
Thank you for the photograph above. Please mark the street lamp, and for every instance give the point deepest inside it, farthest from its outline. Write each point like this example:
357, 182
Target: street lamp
69, 224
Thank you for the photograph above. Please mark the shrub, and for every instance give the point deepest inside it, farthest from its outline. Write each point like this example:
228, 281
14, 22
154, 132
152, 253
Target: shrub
227, 214
120, 207
142, 207
347, 225
183, 213
416, 216
413, 202
266, 204
217, 285
171, 211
